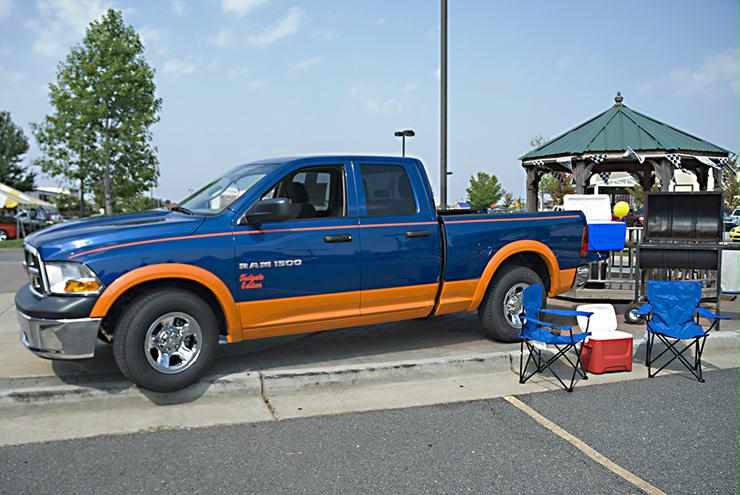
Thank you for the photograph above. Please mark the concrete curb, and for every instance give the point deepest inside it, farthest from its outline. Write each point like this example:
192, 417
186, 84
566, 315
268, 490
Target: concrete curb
372, 373
265, 383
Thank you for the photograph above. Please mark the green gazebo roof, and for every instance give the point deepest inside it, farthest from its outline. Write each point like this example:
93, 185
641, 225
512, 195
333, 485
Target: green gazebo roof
616, 129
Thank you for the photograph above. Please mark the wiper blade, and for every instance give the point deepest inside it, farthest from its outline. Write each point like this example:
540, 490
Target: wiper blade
180, 209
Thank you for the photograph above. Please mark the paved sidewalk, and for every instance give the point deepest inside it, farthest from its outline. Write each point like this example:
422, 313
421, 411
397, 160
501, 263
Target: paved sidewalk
440, 337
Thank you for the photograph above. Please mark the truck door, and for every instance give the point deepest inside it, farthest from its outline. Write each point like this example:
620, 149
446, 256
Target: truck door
399, 240
295, 275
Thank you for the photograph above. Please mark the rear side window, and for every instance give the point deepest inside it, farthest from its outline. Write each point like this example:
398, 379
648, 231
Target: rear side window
388, 191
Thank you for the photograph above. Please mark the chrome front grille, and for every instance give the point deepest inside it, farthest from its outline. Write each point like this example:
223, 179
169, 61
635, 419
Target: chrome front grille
34, 268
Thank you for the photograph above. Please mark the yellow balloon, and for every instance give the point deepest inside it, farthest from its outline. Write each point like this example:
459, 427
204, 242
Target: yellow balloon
621, 209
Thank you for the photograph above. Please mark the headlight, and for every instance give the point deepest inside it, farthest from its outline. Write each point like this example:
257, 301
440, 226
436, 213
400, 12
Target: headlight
71, 278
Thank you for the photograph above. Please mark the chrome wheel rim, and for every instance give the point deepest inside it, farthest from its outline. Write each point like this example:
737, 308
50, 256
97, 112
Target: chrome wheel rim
3, 236
173, 342
513, 304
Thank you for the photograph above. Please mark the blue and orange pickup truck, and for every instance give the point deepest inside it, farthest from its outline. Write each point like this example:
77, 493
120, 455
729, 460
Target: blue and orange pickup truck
278, 247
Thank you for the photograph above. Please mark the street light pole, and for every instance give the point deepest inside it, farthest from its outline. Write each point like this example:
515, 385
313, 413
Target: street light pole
403, 135
443, 110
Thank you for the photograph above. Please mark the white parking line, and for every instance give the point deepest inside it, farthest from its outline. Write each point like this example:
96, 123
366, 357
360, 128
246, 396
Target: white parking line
585, 448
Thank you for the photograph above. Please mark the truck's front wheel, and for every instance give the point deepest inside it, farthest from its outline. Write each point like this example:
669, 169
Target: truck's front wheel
500, 309
165, 340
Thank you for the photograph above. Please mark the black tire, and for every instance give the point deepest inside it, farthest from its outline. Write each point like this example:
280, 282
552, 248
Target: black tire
130, 334
630, 317
491, 311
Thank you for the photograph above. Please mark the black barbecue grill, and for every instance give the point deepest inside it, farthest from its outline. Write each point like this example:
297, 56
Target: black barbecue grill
681, 239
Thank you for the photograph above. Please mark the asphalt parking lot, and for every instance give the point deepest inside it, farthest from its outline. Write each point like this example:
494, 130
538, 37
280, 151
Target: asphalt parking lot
678, 435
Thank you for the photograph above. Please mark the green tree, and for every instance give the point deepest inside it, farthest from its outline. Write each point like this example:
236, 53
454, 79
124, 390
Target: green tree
484, 190
555, 188
13, 146
508, 200
730, 187
104, 104
536, 141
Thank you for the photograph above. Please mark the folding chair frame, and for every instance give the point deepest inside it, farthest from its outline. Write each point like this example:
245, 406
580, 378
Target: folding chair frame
670, 343
541, 365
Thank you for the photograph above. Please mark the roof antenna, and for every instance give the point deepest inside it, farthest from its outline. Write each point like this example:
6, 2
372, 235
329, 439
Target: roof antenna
618, 99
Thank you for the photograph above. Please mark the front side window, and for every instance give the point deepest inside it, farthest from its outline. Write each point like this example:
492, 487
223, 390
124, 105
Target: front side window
314, 192
222, 192
388, 191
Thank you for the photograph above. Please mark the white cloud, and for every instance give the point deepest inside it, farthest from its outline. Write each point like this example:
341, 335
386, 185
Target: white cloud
11, 76
236, 71
285, 26
176, 67
717, 74
307, 63
6, 6
373, 105
256, 84
409, 87
61, 23
240, 8
178, 7
154, 37
222, 38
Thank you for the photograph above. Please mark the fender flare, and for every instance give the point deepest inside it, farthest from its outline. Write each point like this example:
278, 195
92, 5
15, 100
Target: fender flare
169, 271
508, 250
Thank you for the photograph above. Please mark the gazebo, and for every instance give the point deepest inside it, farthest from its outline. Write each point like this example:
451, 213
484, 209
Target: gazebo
623, 140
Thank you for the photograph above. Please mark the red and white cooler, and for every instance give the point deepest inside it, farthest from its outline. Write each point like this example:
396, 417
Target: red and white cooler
607, 349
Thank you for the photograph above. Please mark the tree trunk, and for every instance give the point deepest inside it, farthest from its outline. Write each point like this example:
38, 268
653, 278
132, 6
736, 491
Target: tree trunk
82, 198
106, 185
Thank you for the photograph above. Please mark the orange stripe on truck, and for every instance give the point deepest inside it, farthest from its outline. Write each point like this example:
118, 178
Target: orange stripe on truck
510, 249
171, 271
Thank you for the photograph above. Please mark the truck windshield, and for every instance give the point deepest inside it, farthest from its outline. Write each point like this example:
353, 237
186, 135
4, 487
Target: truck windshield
219, 194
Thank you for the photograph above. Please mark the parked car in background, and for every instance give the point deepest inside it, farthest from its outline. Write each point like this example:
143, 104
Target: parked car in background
731, 219
7, 228
735, 234
635, 218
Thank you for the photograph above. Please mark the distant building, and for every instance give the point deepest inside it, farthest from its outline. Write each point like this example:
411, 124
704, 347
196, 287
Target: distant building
49, 193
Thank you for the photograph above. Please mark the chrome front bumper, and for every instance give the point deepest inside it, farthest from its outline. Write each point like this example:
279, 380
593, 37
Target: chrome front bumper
59, 339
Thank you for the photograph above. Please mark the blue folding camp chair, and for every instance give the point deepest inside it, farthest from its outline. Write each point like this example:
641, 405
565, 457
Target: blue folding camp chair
536, 330
672, 315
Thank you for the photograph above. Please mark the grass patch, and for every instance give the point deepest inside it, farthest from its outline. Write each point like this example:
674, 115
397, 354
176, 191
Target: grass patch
11, 244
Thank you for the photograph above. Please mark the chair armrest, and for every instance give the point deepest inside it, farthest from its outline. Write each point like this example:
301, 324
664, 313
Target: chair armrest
645, 309
566, 312
708, 314
548, 325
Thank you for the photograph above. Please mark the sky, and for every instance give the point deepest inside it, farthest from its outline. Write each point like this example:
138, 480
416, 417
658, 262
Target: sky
248, 79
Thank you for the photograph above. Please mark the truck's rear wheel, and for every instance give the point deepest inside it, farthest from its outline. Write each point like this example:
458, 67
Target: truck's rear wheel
500, 309
165, 340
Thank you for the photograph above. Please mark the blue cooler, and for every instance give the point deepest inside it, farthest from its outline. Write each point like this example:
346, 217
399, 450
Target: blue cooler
603, 234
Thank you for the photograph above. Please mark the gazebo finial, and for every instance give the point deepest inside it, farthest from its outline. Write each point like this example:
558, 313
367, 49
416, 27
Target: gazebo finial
618, 99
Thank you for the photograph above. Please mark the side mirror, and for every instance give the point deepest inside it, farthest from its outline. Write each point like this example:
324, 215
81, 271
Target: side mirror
268, 210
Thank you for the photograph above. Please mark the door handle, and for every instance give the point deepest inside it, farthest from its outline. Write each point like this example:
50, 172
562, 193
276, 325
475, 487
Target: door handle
338, 238
417, 233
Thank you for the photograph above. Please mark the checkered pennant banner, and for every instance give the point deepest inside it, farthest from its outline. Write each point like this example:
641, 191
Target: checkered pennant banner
538, 163
605, 176
726, 164
632, 154
598, 158
674, 159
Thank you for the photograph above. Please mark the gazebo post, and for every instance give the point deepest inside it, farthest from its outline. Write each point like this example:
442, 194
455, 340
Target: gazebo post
533, 185
717, 175
702, 177
581, 174
664, 171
